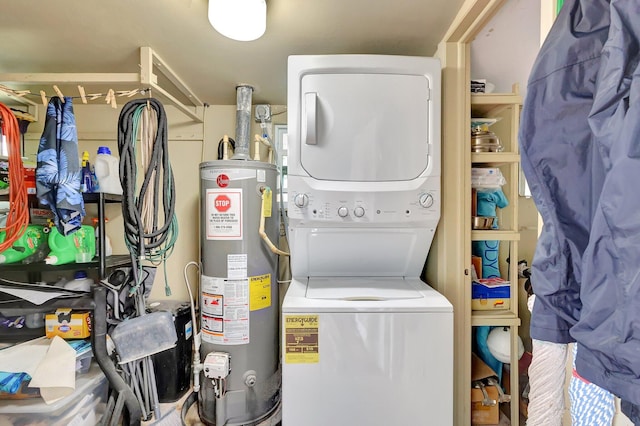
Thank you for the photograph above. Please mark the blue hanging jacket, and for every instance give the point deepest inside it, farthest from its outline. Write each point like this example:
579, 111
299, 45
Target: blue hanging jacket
58, 173
580, 144
561, 162
608, 331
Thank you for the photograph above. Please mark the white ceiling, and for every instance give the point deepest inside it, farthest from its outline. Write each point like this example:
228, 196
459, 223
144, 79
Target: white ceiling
106, 36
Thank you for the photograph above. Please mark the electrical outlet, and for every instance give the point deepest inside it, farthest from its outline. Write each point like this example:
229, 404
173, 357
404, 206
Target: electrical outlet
263, 113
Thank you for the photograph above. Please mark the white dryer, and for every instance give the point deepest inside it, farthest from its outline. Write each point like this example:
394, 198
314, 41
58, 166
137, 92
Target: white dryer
364, 341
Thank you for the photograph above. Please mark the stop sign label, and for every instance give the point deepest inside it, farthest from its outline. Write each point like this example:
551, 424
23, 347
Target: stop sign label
222, 203
223, 217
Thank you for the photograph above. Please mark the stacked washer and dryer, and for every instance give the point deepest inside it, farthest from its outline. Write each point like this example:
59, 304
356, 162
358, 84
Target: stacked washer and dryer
364, 340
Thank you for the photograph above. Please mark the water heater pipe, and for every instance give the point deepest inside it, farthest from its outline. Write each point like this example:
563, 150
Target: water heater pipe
256, 150
225, 147
263, 234
243, 122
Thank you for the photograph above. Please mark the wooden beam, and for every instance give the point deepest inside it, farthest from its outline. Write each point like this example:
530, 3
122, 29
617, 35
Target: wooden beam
472, 17
61, 78
164, 68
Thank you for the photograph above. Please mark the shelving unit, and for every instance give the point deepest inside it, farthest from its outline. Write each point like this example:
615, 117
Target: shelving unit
101, 263
506, 107
95, 302
448, 266
151, 66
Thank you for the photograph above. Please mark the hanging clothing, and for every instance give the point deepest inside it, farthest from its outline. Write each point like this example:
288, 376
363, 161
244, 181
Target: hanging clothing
580, 145
58, 173
561, 163
607, 331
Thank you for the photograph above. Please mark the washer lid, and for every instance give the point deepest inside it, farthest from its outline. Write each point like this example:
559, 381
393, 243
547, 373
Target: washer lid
361, 289
362, 294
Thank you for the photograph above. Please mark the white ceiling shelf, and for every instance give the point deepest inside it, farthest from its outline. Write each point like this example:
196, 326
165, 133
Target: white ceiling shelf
150, 65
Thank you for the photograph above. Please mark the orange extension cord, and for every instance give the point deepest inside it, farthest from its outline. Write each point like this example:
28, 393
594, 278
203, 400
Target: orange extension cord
18, 216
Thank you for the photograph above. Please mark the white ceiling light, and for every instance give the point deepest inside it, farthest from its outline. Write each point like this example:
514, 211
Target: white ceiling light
242, 20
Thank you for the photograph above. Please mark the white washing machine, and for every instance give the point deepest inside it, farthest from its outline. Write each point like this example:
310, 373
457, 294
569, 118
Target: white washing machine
378, 353
364, 341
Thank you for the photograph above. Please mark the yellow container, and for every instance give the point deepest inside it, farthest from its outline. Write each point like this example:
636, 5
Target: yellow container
68, 325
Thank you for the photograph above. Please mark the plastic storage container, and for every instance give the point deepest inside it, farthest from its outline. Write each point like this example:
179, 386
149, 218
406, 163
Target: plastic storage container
144, 336
107, 169
83, 361
84, 407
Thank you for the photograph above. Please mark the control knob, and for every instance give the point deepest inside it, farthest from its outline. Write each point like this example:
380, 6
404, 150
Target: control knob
358, 211
301, 200
343, 212
426, 200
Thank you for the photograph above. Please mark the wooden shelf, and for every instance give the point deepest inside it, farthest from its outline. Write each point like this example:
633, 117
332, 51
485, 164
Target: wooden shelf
497, 318
487, 104
500, 235
494, 159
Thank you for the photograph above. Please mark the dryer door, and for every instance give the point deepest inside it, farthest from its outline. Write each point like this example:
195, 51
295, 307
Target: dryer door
364, 127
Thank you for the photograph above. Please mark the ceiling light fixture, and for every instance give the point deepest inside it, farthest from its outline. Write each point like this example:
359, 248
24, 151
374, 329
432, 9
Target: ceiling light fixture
242, 20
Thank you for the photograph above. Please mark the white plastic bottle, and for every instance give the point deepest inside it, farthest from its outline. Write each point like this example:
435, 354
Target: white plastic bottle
107, 169
79, 282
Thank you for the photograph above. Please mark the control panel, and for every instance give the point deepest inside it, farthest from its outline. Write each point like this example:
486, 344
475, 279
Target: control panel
417, 204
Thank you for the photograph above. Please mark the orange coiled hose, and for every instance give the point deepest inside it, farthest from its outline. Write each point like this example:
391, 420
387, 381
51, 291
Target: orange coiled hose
18, 216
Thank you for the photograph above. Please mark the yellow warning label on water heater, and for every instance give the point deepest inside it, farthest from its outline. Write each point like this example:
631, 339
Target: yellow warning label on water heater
259, 292
267, 201
301, 339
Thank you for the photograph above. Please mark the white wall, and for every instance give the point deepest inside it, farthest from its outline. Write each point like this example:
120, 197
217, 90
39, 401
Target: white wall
504, 51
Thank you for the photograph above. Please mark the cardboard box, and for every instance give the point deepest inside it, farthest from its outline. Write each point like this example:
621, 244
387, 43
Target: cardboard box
483, 414
477, 264
490, 294
68, 325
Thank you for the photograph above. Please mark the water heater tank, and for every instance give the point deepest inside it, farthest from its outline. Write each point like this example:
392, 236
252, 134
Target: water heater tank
239, 293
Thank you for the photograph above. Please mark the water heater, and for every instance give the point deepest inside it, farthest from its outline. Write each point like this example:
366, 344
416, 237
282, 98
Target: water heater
238, 293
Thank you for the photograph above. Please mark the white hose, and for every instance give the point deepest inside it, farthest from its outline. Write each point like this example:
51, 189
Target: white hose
547, 374
197, 362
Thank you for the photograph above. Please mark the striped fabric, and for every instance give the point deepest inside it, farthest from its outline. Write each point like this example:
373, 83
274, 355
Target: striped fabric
590, 404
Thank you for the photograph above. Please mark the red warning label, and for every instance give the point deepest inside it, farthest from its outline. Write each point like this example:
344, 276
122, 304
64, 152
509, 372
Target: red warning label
224, 214
222, 203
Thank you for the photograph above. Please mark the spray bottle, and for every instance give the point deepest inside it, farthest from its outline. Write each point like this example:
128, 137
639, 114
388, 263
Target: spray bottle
87, 181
